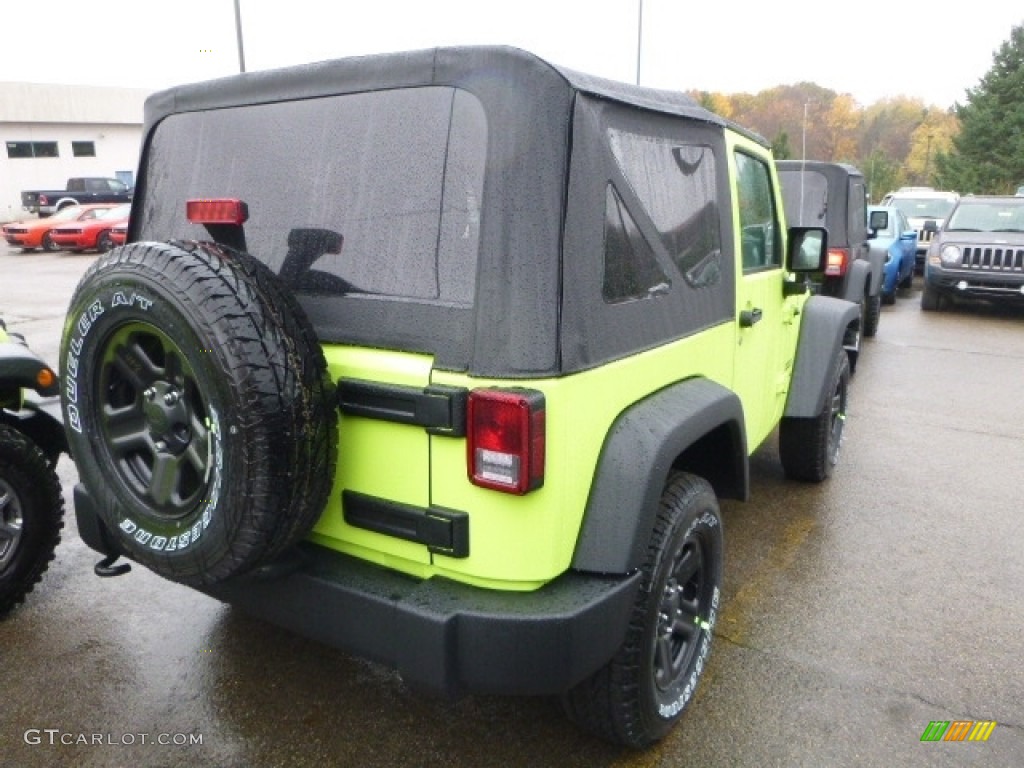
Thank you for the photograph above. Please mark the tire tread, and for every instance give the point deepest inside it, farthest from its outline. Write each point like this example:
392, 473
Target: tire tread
24, 463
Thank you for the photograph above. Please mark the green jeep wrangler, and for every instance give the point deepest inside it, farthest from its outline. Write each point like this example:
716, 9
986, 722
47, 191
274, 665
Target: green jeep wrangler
444, 358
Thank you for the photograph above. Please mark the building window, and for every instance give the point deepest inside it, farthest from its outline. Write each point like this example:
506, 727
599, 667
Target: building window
83, 148
20, 149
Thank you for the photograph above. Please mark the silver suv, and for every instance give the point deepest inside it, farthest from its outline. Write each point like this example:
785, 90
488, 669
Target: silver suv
926, 209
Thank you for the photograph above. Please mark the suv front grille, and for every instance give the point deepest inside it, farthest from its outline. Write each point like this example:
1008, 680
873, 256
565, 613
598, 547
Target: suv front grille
993, 259
925, 235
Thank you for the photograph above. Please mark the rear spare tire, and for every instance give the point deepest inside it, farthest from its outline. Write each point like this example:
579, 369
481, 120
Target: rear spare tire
198, 406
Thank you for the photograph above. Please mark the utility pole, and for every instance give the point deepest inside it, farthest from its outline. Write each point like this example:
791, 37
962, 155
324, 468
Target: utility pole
803, 150
639, 38
238, 34
927, 158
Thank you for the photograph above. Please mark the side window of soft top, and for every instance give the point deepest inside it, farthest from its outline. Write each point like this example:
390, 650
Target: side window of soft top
675, 189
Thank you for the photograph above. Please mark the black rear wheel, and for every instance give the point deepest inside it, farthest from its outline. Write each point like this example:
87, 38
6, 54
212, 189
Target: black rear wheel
872, 314
809, 447
641, 693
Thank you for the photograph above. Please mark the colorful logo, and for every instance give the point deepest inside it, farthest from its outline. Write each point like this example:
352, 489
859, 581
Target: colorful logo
958, 730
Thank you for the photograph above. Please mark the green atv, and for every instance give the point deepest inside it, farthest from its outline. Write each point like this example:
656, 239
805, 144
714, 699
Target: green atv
31, 441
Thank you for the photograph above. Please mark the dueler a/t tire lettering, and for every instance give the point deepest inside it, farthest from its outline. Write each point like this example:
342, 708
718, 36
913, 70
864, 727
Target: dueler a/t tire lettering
31, 516
198, 408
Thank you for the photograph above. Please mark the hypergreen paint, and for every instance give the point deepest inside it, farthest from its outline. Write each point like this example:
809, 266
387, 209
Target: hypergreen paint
521, 542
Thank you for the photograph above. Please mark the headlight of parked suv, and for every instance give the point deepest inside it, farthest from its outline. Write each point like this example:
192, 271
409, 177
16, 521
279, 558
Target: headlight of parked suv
950, 255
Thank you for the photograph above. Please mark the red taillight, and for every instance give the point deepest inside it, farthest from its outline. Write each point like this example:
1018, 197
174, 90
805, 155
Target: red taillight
217, 211
43, 200
506, 439
838, 261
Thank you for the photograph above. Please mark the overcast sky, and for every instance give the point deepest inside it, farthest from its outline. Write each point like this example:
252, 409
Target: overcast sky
929, 50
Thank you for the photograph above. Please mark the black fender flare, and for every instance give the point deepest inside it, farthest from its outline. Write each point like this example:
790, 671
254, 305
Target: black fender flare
860, 272
822, 326
40, 420
638, 453
20, 368
876, 263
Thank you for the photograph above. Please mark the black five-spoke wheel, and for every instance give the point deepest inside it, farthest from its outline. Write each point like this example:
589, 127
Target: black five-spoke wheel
154, 419
684, 602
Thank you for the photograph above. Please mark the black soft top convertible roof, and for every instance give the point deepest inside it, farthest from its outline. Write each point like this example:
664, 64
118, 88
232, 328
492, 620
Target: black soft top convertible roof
468, 67
516, 326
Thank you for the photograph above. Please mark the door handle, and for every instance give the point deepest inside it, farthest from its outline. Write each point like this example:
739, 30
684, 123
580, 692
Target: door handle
749, 316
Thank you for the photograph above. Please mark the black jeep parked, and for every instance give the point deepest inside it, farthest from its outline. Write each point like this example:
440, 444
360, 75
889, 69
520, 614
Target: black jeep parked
834, 196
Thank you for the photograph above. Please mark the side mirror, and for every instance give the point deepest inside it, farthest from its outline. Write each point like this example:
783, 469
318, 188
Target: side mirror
878, 220
930, 226
808, 249
807, 254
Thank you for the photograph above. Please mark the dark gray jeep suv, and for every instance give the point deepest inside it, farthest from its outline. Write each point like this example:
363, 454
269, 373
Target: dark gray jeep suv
834, 196
978, 253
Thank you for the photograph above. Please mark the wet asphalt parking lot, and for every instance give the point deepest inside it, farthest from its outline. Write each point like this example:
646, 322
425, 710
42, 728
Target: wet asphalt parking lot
855, 613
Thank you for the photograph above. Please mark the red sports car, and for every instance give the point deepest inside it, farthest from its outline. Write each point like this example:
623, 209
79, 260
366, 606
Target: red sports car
35, 233
91, 233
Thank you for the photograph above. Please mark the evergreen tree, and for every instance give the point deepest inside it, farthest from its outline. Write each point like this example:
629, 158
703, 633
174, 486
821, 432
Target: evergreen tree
987, 156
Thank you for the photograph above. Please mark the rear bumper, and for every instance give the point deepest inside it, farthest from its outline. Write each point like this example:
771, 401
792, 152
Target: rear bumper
443, 637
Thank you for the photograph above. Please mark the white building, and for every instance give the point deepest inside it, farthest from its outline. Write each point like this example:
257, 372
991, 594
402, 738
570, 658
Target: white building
50, 133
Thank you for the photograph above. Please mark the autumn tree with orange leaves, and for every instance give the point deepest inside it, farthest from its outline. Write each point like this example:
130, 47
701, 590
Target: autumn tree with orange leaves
894, 142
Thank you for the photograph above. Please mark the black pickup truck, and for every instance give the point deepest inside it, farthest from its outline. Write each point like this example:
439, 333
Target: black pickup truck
79, 191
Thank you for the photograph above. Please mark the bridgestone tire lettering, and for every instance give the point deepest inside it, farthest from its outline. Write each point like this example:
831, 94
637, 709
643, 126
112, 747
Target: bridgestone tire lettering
199, 409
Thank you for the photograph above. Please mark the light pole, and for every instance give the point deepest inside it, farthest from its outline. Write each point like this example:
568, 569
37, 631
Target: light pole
639, 37
238, 34
803, 149
927, 158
